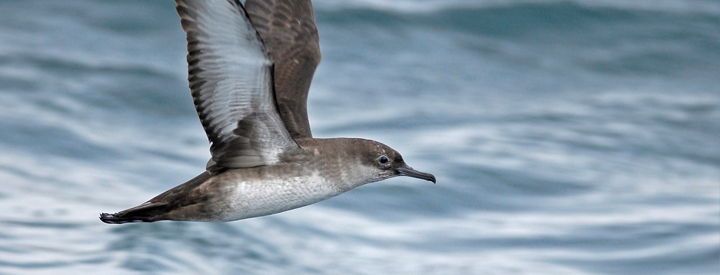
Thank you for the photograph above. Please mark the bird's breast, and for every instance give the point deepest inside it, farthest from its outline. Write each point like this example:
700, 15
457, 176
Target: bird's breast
247, 198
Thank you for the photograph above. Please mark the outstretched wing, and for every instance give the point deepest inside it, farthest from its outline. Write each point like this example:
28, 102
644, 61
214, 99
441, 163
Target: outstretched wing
231, 84
288, 30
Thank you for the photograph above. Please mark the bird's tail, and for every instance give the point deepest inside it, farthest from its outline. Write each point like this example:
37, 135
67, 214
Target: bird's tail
158, 207
146, 212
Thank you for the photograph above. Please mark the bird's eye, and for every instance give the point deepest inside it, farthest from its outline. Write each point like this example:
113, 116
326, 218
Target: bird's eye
383, 160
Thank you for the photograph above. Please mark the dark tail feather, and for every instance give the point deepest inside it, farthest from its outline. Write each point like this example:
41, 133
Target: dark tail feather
115, 219
157, 207
147, 212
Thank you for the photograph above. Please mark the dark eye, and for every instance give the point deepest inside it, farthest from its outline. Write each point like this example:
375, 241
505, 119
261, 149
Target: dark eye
383, 160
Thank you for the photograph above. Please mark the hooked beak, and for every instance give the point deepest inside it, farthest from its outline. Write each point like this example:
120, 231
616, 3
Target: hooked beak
408, 171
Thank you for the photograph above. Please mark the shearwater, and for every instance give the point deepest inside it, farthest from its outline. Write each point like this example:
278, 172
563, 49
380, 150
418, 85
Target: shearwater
250, 69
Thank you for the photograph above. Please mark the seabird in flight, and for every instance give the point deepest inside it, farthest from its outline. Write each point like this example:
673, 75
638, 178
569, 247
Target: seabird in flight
250, 69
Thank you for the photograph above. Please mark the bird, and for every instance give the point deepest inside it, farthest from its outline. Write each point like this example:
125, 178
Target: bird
250, 67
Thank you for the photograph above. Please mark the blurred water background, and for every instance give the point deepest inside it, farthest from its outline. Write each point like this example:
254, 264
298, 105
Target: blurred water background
568, 137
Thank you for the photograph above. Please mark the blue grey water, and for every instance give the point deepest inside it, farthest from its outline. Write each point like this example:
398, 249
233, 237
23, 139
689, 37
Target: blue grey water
568, 137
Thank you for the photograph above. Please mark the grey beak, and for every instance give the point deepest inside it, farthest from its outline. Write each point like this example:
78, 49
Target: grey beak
408, 171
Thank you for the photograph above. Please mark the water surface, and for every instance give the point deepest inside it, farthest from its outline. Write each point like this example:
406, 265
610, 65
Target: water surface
568, 137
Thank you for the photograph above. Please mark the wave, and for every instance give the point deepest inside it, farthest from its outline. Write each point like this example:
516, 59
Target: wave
425, 6
608, 39
524, 16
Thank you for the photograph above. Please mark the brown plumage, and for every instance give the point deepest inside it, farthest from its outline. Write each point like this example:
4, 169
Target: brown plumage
249, 74
288, 30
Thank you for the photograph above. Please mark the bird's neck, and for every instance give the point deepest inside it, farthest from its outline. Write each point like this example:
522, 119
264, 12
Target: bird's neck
335, 160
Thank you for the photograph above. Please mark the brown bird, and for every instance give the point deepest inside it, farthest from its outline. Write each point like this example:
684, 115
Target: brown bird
250, 69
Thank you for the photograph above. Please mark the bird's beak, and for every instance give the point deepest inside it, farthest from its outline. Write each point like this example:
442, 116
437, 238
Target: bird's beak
408, 171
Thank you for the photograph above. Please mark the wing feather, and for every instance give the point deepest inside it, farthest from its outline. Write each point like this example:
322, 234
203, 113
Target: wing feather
289, 32
230, 78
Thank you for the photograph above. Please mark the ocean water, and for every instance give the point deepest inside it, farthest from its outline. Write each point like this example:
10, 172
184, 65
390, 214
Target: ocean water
568, 137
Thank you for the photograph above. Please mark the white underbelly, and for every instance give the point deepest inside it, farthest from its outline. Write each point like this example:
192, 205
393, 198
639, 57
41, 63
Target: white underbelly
265, 197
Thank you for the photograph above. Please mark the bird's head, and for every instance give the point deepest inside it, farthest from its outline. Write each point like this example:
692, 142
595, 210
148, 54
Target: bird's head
381, 162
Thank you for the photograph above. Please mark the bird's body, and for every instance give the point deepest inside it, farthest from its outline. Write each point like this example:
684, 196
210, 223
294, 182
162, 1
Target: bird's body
249, 81
251, 192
